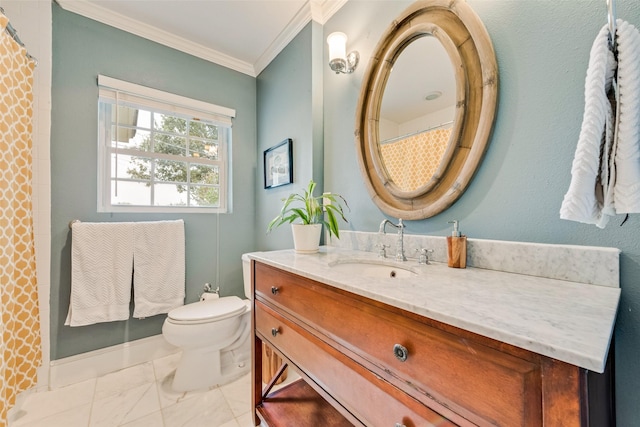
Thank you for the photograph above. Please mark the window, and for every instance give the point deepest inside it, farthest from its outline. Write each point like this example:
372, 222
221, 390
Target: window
160, 152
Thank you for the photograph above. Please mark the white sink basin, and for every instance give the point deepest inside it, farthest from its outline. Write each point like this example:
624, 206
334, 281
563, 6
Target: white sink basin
371, 268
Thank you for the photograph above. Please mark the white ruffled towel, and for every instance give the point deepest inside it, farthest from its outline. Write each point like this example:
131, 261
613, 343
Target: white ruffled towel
101, 272
158, 267
605, 174
106, 257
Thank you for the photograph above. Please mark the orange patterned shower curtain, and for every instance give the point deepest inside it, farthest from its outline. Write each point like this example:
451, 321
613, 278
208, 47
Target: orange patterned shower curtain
20, 353
412, 161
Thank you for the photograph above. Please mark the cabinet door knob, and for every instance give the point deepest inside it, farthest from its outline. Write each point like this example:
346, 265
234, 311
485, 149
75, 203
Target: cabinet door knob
400, 352
275, 331
274, 290
400, 425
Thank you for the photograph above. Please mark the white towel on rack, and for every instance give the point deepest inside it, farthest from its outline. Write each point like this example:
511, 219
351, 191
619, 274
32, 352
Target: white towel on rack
626, 192
158, 267
101, 267
588, 199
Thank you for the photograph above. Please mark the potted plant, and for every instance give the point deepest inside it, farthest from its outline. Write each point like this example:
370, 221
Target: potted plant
308, 210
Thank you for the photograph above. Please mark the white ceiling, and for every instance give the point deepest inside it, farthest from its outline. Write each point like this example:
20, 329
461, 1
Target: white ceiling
244, 35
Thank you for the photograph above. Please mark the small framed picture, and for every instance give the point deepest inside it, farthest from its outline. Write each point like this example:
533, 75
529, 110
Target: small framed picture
278, 164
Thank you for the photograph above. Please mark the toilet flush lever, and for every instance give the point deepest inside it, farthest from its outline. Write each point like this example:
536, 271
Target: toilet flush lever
209, 289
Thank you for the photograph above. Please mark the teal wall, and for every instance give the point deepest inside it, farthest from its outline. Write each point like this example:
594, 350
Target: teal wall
290, 106
542, 49
82, 49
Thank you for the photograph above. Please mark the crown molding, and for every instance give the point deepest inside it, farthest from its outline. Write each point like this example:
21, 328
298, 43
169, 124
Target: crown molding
297, 23
139, 28
326, 9
317, 10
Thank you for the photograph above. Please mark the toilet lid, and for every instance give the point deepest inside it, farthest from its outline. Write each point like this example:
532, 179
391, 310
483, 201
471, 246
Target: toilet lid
209, 309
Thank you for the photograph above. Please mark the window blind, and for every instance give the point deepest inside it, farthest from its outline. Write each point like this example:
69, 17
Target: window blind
126, 92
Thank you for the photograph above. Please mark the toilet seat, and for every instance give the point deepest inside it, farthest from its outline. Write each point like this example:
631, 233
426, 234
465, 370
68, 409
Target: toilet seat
207, 311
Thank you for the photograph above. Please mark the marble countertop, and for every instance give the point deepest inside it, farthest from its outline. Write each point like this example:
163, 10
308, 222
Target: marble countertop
569, 321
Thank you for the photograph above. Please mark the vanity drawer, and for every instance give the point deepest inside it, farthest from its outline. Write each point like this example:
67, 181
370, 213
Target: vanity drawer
375, 402
482, 384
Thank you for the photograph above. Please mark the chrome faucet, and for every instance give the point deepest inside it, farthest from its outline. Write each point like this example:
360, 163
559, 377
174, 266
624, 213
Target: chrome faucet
399, 244
423, 255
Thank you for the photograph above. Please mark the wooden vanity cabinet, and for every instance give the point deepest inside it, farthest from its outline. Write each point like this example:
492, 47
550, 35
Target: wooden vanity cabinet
371, 364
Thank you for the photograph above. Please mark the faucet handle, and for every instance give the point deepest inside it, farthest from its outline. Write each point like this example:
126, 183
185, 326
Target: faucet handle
423, 257
382, 253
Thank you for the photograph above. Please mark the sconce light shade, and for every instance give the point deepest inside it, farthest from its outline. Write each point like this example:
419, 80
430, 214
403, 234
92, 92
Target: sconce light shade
339, 61
337, 46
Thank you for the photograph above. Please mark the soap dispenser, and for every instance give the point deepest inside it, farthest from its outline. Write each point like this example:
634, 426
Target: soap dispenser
456, 248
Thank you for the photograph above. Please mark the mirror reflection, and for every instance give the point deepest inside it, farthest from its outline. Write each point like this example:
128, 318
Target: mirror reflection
417, 112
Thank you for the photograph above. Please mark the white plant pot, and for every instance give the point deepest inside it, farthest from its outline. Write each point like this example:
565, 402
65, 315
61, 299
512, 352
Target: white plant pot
306, 237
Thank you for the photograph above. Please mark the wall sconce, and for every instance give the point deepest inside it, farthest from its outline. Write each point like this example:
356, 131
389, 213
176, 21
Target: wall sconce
339, 61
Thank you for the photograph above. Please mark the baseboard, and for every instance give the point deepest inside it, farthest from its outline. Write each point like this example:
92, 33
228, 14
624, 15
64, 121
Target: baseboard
96, 363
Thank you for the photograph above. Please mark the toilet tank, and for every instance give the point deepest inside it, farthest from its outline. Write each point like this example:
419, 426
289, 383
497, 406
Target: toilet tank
246, 274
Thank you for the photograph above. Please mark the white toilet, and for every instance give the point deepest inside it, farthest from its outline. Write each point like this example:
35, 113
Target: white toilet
214, 338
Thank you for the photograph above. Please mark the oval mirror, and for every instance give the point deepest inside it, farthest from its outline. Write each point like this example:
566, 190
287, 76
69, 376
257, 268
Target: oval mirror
417, 114
426, 109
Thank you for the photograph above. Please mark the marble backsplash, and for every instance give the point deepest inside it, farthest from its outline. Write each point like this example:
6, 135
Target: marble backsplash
584, 264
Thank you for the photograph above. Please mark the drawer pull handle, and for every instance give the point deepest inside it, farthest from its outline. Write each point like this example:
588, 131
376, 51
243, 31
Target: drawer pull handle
400, 352
274, 290
275, 331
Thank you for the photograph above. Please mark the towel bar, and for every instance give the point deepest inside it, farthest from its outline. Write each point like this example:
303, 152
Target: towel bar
611, 19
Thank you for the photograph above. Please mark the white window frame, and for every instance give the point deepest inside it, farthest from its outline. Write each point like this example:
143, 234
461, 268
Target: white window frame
118, 92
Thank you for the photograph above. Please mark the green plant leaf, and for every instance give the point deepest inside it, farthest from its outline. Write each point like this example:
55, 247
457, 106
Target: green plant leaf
304, 217
311, 210
332, 224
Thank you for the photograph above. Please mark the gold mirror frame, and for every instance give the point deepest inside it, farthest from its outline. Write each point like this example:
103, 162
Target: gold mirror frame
467, 42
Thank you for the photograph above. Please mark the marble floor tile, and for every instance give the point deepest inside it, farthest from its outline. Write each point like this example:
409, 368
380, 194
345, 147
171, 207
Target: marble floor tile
128, 405
151, 420
169, 397
45, 404
231, 423
78, 416
117, 382
238, 395
203, 410
140, 396
245, 420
